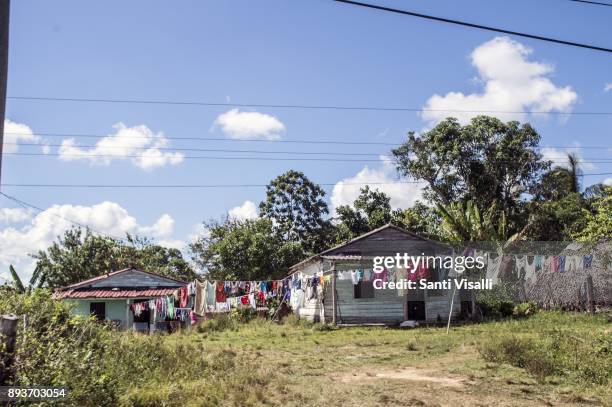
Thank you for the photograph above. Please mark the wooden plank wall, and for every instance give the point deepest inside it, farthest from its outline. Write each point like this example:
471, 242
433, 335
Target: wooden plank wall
386, 307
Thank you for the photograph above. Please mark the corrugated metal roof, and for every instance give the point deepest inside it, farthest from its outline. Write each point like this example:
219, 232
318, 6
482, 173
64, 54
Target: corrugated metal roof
110, 293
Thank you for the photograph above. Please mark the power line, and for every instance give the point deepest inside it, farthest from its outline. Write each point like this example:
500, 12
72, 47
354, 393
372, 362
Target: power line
193, 186
116, 156
592, 2
295, 106
206, 149
178, 149
472, 25
27, 205
294, 141
212, 186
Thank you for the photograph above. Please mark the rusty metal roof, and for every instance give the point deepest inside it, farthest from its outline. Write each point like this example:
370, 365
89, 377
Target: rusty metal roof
113, 293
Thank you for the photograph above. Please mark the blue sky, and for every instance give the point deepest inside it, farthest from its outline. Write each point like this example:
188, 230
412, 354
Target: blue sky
313, 52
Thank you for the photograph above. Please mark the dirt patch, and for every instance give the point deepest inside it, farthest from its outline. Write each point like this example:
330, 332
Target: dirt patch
408, 374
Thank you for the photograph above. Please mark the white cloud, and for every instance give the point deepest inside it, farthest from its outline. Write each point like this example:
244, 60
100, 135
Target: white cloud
402, 194
138, 144
15, 133
608, 87
607, 181
108, 218
511, 83
559, 157
249, 125
14, 215
248, 210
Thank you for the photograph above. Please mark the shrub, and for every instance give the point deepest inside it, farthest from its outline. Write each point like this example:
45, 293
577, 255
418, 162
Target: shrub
525, 309
519, 352
219, 323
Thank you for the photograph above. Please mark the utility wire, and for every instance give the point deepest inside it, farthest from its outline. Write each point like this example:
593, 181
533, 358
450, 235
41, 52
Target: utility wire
472, 25
592, 2
223, 150
211, 186
295, 141
292, 106
116, 156
177, 149
26, 205
192, 186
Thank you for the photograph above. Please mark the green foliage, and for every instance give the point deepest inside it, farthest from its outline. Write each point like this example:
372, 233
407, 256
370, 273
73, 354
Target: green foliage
554, 352
486, 161
79, 255
244, 250
372, 209
463, 222
519, 352
599, 219
297, 207
525, 309
497, 302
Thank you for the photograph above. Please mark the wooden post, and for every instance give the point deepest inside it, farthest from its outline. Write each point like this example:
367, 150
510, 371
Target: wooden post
4, 44
589, 293
8, 333
334, 296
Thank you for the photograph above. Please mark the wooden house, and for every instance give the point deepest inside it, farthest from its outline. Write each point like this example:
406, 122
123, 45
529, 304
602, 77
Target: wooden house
109, 296
343, 302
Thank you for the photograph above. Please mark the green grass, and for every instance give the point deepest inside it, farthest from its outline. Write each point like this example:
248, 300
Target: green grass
302, 364
549, 358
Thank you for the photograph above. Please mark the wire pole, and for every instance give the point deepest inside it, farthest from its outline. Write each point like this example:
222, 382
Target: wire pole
4, 41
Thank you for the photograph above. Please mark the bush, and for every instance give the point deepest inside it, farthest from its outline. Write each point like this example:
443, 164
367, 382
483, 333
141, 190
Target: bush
243, 314
519, 352
555, 352
525, 309
219, 323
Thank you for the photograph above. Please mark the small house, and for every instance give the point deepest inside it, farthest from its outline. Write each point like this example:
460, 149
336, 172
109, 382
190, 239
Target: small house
110, 297
347, 301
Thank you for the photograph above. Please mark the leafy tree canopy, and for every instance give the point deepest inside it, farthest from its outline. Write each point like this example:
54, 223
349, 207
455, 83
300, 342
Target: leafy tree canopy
487, 161
244, 250
79, 255
297, 208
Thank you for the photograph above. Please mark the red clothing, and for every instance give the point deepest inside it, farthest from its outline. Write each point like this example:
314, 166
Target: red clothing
220, 292
184, 297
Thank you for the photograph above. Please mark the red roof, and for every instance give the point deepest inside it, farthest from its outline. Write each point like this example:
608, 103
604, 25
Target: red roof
117, 293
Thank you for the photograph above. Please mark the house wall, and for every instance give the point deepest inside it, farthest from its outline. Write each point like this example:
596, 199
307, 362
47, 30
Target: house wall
115, 310
386, 307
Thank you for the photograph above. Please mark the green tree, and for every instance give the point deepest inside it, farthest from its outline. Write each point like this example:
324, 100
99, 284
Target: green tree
79, 255
297, 208
371, 210
36, 280
599, 219
487, 161
244, 250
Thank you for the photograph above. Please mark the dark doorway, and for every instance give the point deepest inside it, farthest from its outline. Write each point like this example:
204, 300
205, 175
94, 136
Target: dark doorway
416, 310
145, 316
466, 309
98, 310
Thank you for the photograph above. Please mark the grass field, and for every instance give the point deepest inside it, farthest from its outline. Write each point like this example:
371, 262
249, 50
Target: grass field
548, 359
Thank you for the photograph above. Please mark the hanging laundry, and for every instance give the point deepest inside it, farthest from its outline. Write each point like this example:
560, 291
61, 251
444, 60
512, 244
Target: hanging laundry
183, 297
561, 267
538, 263
200, 298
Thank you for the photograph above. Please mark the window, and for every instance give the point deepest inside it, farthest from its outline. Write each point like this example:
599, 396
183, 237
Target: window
98, 310
363, 289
